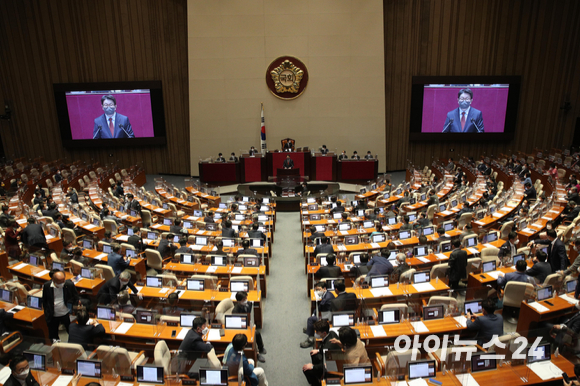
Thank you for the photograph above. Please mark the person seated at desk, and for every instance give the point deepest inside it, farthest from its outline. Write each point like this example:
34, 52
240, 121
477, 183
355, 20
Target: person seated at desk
135, 240
176, 227
519, 275
288, 163
556, 251
355, 156
20, 373
72, 195
116, 261
227, 230
433, 198
11, 236
323, 150
422, 221
33, 235
330, 270
487, 325
343, 217
325, 247
235, 353
165, 246
253, 151
172, 309
400, 269
324, 299
193, 344
457, 265
343, 156
541, 268
246, 250
529, 192
572, 181
405, 199
220, 158
52, 211
243, 307
355, 351
406, 225
467, 231
338, 208
255, 233
108, 215
315, 370
344, 301
380, 265
83, 333
133, 204
314, 234
450, 165
209, 217
5, 217
119, 191
369, 155
109, 291
77, 255
360, 269
572, 211
373, 214
233, 158
571, 196
38, 199
183, 248
509, 249
287, 146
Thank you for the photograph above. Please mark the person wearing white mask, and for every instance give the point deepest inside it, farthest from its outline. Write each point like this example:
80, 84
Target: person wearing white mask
59, 295
20, 373
108, 292
193, 344
509, 248
324, 298
243, 307
314, 371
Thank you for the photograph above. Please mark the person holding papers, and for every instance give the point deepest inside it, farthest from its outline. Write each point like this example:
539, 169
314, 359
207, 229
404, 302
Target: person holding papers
109, 291
487, 325
193, 343
457, 265
20, 373
324, 299
313, 371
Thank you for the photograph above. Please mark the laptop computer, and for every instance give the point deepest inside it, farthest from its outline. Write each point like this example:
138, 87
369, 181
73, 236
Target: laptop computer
474, 306
421, 277
34, 302
154, 281
420, 250
571, 285
541, 353
234, 321
195, 284
36, 361
186, 318
145, 317
105, 313
379, 281
488, 266
545, 293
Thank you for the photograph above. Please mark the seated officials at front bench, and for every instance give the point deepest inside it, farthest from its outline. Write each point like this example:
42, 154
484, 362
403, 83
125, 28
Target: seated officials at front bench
111, 124
464, 119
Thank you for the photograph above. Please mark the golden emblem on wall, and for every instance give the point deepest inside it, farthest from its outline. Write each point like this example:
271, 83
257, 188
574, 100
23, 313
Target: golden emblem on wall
287, 77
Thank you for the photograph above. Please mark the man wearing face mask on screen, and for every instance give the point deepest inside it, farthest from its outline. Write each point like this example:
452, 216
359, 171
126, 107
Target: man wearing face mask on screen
111, 124
464, 119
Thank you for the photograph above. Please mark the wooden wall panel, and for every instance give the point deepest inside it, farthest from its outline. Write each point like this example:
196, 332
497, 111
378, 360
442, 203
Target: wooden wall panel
536, 39
62, 41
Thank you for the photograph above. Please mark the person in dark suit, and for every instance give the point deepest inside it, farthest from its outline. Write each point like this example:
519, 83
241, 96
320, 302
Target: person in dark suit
4, 316
254, 233
529, 192
464, 119
324, 298
338, 208
355, 155
369, 155
116, 261
58, 294
315, 370
573, 195
487, 325
243, 307
457, 265
323, 150
133, 204
109, 291
52, 211
20, 373
541, 268
111, 124
246, 250
183, 248
253, 151
360, 269
209, 217
72, 195
556, 251
227, 230
193, 344
314, 234
433, 198
38, 199
287, 146
508, 249
330, 270
136, 240
400, 269
288, 163
406, 225
574, 211
83, 333
176, 227
343, 156
220, 158
405, 199
325, 247
519, 275
5, 217
57, 177
380, 264
119, 191
344, 301
572, 324
33, 235
164, 247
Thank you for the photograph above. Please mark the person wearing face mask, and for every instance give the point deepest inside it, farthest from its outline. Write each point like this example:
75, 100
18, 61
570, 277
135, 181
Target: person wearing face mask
541, 268
111, 124
324, 299
313, 371
243, 307
508, 249
58, 296
109, 291
556, 250
234, 354
21, 375
464, 119
193, 344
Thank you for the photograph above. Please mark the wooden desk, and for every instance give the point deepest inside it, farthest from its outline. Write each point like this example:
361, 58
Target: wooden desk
529, 316
490, 221
352, 170
29, 319
211, 200
137, 264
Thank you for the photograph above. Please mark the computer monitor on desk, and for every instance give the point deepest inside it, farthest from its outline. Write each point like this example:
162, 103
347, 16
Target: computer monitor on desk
421, 277
351, 240
105, 313
88, 244
488, 266
34, 302
154, 281
470, 241
571, 285
236, 321
542, 353
89, 368
195, 284
250, 261
201, 240
36, 361
239, 286
358, 375
391, 220
433, 312
145, 317
544, 293
379, 281
213, 377
150, 374
420, 250
379, 238
219, 261
421, 369
342, 319
475, 306
483, 362
389, 316
107, 248
404, 235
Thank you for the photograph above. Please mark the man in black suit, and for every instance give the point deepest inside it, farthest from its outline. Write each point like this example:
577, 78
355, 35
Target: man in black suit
541, 268
315, 370
109, 291
573, 195
58, 177
288, 163
246, 250
233, 158
343, 156
355, 156
220, 158
116, 261
4, 316
433, 198
406, 225
193, 344
457, 265
51, 212
136, 240
72, 195
209, 217
556, 250
487, 325
5, 217
119, 191
133, 204
338, 209
508, 249
361, 268
183, 248
38, 199
323, 150
572, 324
227, 230
58, 294
314, 234
369, 155
176, 227
254, 233
529, 192
164, 246
243, 307
400, 269
33, 235
287, 146
380, 264
574, 211
323, 298
325, 247
83, 333
344, 301
330, 270
20, 374
252, 151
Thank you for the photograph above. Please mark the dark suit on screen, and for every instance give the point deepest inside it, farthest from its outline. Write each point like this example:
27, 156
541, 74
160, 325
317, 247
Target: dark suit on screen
455, 127
105, 132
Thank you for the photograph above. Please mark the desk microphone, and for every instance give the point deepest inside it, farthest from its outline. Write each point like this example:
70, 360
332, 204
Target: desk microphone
448, 126
98, 131
475, 124
127, 134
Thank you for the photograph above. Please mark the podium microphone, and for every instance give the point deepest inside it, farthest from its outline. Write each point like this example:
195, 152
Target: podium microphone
125, 131
446, 128
98, 131
475, 124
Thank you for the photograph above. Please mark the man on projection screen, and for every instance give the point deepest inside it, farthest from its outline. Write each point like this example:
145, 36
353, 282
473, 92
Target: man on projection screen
464, 119
111, 124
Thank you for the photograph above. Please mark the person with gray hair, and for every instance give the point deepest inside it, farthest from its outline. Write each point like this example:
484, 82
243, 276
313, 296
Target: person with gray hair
108, 292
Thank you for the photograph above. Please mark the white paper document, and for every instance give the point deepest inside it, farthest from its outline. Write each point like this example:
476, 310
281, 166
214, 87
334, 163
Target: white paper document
569, 299
213, 334
424, 259
20, 266
375, 245
488, 246
546, 370
196, 247
378, 331
4, 374
419, 327
538, 307
467, 379
441, 256
62, 380
123, 238
473, 250
123, 328
211, 268
423, 287
497, 215
461, 320
341, 247
237, 270
182, 333
41, 273
494, 274
379, 292
101, 256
